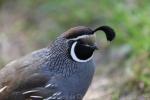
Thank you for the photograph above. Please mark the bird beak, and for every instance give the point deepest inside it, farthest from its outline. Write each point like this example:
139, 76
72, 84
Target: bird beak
94, 47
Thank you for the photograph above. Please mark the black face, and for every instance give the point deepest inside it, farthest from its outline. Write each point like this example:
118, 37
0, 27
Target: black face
83, 51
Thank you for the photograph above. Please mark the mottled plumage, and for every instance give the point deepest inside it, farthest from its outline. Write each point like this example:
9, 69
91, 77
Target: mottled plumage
50, 73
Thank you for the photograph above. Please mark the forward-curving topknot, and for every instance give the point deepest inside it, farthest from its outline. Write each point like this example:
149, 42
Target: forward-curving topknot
110, 33
82, 30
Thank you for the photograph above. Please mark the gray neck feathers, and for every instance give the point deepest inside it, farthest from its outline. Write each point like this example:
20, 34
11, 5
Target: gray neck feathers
59, 59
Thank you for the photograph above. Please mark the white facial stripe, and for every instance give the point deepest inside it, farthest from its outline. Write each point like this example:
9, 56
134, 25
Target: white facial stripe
2, 89
80, 37
73, 55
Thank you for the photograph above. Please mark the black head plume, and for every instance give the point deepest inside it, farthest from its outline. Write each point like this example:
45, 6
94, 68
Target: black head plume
110, 33
82, 30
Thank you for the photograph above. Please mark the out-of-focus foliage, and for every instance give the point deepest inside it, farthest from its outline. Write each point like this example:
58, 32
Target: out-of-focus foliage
26, 25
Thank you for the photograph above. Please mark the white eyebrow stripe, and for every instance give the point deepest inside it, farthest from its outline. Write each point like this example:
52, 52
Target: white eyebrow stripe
30, 91
3, 88
82, 36
34, 96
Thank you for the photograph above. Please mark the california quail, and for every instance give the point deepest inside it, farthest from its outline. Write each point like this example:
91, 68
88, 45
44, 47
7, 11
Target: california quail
61, 71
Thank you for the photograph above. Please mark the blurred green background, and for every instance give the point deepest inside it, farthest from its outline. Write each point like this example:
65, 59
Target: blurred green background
123, 68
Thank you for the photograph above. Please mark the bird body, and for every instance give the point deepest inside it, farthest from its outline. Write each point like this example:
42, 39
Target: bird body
50, 73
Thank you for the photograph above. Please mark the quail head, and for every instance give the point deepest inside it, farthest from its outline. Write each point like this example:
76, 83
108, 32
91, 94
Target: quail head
61, 71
